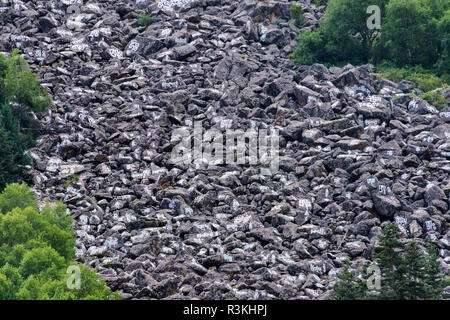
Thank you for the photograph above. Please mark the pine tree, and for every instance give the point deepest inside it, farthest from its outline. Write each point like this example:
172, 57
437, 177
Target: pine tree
388, 258
347, 287
411, 274
13, 144
434, 283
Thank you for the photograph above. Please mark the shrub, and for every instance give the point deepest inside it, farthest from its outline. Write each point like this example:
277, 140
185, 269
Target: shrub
297, 15
435, 99
145, 20
36, 249
425, 80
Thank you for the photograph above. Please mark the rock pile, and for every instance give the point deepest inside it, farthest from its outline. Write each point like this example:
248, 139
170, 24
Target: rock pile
355, 151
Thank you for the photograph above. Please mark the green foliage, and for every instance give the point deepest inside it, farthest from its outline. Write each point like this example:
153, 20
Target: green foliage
319, 3
145, 20
435, 99
406, 273
347, 287
297, 15
342, 37
36, 248
16, 196
388, 258
424, 80
13, 144
443, 29
18, 84
413, 33
20, 92
411, 285
433, 282
406, 33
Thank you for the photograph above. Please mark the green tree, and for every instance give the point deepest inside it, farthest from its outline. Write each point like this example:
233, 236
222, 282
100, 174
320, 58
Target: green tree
388, 258
16, 196
343, 35
443, 26
19, 85
13, 143
411, 273
433, 280
347, 287
406, 273
409, 34
36, 249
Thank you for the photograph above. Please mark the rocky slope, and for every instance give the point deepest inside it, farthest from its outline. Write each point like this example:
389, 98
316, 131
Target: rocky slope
355, 151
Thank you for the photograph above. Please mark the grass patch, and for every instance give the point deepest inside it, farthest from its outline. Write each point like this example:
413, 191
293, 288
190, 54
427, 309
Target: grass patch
425, 80
297, 16
145, 20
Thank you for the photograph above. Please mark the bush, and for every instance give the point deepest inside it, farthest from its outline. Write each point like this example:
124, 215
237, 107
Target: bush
297, 15
145, 20
36, 249
435, 99
425, 80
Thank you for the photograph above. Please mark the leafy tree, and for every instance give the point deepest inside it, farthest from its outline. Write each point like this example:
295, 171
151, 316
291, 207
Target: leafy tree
413, 33
343, 35
408, 35
345, 22
20, 92
443, 64
36, 248
16, 196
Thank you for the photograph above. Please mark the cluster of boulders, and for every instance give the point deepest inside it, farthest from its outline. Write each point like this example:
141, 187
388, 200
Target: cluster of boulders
355, 151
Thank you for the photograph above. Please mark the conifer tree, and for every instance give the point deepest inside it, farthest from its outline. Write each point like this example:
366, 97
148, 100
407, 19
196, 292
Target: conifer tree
13, 144
433, 281
347, 287
411, 274
388, 258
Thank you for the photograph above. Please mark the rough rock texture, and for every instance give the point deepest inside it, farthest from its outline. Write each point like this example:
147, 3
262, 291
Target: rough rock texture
352, 157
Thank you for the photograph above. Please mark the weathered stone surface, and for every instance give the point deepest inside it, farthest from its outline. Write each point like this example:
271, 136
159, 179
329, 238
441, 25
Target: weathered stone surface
356, 151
